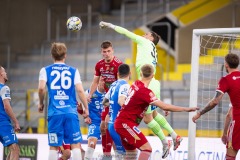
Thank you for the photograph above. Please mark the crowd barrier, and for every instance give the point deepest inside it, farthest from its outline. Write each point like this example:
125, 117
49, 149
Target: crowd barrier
35, 147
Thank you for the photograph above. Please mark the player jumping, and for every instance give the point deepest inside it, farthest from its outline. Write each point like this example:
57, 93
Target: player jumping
147, 54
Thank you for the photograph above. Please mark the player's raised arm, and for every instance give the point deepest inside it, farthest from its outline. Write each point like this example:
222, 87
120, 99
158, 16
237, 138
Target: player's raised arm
120, 30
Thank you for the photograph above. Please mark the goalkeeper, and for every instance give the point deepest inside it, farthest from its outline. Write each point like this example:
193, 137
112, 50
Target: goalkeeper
147, 54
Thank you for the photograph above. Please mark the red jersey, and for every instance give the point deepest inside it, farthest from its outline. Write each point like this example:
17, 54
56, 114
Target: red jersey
108, 71
231, 84
137, 102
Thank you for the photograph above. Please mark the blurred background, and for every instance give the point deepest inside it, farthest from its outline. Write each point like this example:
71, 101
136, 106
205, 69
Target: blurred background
28, 28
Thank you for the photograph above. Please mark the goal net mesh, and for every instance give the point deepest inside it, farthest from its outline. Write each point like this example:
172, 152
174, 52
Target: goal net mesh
209, 48
213, 48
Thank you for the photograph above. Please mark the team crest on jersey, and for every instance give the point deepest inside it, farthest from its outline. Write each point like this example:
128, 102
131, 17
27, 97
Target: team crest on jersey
112, 68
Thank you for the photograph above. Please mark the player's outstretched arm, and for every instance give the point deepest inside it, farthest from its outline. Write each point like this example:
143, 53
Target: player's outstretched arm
173, 108
211, 104
120, 30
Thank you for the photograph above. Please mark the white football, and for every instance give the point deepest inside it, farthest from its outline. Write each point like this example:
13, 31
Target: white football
74, 24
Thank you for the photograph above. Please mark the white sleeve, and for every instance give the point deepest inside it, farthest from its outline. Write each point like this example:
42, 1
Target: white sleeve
77, 78
123, 90
107, 95
43, 74
5, 93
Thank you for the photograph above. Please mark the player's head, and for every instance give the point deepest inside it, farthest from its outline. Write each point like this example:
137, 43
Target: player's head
3, 75
123, 71
152, 36
231, 61
107, 51
147, 71
58, 51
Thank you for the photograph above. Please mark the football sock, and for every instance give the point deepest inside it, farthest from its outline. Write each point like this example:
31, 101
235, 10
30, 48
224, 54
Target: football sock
164, 124
154, 126
76, 154
89, 153
230, 157
53, 155
107, 143
118, 155
144, 154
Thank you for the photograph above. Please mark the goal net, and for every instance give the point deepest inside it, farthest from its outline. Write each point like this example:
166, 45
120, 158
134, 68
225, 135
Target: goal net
209, 46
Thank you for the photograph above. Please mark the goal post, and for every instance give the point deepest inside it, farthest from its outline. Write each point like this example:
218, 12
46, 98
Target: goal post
208, 44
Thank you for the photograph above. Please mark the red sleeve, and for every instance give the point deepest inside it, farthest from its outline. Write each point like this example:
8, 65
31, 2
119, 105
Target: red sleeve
222, 85
97, 70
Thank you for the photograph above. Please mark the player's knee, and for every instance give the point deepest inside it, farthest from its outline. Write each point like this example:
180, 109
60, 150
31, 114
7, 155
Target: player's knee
147, 118
14, 149
228, 157
66, 154
92, 144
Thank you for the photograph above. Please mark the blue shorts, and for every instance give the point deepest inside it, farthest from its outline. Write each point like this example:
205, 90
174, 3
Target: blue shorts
65, 128
94, 130
116, 138
7, 135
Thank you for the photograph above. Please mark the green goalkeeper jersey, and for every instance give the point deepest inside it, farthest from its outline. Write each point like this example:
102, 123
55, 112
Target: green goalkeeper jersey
146, 49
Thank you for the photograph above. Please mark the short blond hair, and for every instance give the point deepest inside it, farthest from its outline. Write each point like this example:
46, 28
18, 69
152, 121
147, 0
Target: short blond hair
58, 50
147, 70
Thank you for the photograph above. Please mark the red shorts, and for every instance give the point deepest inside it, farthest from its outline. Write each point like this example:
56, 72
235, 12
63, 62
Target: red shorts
234, 135
104, 113
131, 136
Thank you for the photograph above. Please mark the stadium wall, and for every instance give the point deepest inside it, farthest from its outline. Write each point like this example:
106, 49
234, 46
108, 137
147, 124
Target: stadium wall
222, 18
36, 145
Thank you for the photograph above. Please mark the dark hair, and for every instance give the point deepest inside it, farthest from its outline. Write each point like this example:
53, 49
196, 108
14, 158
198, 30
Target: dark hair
106, 44
156, 37
147, 70
58, 50
232, 60
123, 70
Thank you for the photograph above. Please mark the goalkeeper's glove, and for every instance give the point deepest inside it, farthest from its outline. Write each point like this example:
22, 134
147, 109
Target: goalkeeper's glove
106, 25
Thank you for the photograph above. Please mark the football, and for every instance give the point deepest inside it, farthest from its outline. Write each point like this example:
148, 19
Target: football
74, 24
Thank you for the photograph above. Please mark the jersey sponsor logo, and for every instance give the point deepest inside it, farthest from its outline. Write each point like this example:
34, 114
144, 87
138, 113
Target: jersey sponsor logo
76, 139
7, 93
153, 107
6, 139
130, 131
60, 68
235, 77
61, 95
61, 103
136, 129
97, 104
125, 91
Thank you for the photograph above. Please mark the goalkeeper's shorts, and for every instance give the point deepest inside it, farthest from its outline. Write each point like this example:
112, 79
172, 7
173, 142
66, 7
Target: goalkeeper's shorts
155, 86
